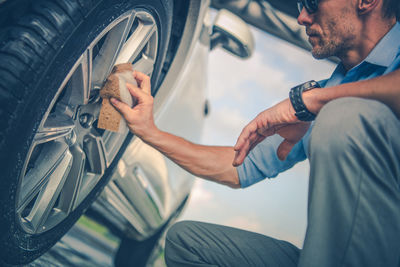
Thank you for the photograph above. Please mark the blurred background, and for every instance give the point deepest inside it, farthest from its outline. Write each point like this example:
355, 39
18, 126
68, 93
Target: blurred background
237, 91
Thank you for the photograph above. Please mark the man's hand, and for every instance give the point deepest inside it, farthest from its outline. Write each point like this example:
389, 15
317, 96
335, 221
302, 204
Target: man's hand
279, 119
139, 118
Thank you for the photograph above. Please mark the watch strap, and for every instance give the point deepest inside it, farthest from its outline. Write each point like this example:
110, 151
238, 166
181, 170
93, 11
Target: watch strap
295, 96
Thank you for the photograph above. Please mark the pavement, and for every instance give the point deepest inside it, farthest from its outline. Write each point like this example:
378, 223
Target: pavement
81, 246
87, 244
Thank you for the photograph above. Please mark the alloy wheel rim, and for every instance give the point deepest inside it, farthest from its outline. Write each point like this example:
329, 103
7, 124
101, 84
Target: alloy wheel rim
69, 154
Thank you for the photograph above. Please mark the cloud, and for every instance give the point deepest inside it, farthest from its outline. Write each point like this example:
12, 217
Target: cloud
200, 194
249, 223
223, 126
234, 78
288, 56
204, 203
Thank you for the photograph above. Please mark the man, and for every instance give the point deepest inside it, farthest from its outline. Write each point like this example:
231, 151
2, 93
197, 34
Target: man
353, 148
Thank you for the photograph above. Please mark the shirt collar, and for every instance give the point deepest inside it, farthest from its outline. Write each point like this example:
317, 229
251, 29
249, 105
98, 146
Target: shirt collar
387, 48
383, 55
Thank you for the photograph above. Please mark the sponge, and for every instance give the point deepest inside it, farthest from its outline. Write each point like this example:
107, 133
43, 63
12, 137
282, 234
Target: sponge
115, 86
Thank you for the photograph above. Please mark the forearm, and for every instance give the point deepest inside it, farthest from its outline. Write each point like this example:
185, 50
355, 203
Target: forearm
384, 88
209, 162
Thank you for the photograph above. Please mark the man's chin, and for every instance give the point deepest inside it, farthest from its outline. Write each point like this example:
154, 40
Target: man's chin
318, 53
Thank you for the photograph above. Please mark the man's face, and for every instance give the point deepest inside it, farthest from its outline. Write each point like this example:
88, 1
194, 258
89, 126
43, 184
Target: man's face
332, 29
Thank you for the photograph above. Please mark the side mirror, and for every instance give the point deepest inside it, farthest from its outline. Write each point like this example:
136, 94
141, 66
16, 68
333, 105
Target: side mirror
232, 34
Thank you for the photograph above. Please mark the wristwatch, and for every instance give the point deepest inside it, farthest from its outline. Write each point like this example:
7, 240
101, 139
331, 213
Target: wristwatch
295, 96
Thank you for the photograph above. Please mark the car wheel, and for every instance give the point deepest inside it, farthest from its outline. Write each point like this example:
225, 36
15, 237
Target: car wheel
54, 58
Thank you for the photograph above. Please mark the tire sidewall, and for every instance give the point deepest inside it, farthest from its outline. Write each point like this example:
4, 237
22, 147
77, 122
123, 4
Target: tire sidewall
15, 244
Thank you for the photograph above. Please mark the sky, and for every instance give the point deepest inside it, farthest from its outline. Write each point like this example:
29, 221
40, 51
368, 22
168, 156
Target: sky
237, 91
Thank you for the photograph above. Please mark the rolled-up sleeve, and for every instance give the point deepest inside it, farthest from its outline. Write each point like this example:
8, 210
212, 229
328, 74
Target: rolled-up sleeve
263, 162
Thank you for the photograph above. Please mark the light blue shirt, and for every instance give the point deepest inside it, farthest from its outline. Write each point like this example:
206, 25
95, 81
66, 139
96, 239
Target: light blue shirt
262, 162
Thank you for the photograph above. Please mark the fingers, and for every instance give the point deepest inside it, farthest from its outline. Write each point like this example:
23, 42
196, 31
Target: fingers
123, 108
241, 152
135, 91
240, 155
250, 137
237, 159
240, 142
244, 143
245, 134
143, 81
244, 147
284, 149
247, 146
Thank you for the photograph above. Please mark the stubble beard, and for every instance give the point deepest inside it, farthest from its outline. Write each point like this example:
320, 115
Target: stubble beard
334, 44
324, 50
332, 48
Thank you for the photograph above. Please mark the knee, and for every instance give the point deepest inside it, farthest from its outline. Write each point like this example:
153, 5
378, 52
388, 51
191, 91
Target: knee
179, 234
177, 242
345, 122
175, 232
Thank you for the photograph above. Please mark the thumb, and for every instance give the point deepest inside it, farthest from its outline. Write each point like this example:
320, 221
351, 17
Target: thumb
284, 149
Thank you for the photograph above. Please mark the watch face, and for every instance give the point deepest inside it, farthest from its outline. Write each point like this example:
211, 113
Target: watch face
310, 85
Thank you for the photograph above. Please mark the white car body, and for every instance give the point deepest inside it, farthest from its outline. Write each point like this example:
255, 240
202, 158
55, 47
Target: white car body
146, 187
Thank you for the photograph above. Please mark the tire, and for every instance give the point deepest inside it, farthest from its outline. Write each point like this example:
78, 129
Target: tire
54, 56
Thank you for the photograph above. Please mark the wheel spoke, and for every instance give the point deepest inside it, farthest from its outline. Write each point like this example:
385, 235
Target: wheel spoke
112, 143
145, 65
109, 47
88, 182
48, 195
94, 148
80, 81
73, 182
50, 157
137, 41
57, 125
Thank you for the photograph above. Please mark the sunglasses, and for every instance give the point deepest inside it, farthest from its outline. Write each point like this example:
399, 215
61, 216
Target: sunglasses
310, 5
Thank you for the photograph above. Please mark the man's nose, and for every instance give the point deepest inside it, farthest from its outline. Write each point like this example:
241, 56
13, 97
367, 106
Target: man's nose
304, 18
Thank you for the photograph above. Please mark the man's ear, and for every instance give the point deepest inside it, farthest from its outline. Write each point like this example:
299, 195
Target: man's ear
366, 6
